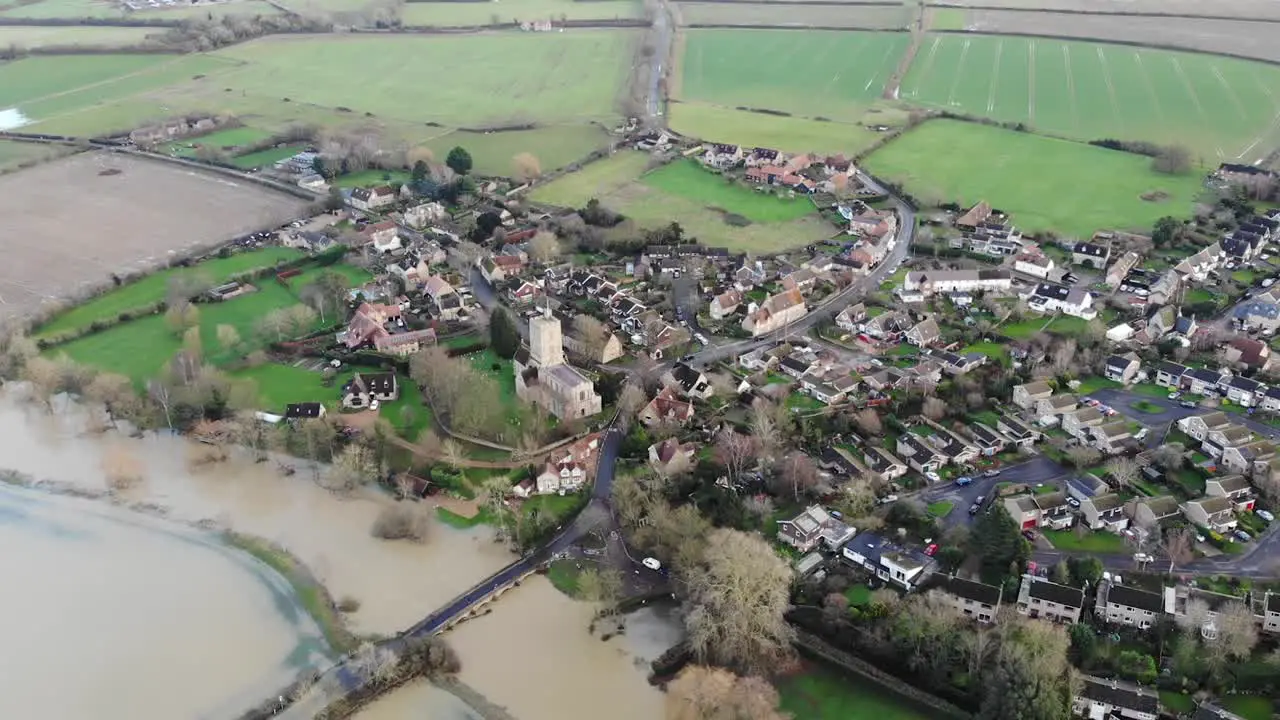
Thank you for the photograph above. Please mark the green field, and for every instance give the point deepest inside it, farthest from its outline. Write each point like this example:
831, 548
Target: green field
1249, 707
816, 73
683, 192
447, 14
152, 288
13, 154
71, 9
1220, 107
140, 348
721, 124
825, 694
30, 37
263, 158
281, 385
555, 146
228, 140
1045, 183
369, 178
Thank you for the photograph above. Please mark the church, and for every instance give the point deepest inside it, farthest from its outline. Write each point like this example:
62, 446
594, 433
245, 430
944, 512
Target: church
544, 379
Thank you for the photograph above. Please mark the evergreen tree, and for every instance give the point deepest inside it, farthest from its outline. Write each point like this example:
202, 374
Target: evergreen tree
459, 160
504, 337
997, 541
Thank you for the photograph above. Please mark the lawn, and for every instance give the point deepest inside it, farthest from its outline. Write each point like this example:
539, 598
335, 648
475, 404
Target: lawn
753, 129
941, 509
1146, 406
1090, 188
152, 289
454, 14
697, 199
1219, 107
563, 575
1094, 383
1097, 542
1249, 707
263, 158
996, 352
688, 179
823, 693
281, 385
1191, 481
815, 73
369, 178
227, 140
858, 595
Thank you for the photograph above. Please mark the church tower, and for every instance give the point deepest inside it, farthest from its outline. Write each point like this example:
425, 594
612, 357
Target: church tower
546, 347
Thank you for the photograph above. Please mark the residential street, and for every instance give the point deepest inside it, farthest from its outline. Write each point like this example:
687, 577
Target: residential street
1123, 400
1038, 469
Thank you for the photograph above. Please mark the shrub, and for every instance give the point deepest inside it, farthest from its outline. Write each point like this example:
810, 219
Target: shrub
401, 521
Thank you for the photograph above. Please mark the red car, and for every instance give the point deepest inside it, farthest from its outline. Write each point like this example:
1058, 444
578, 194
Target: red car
931, 550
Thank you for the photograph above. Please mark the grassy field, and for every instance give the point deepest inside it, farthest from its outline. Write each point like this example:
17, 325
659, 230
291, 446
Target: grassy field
830, 74
263, 158
446, 14
281, 385
1098, 542
878, 17
1249, 707
1089, 188
1220, 107
369, 178
31, 37
722, 124
695, 198
825, 694
72, 9
229, 140
13, 154
555, 146
152, 288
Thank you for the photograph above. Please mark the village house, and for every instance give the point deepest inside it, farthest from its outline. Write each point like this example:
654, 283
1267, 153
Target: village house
1112, 437
1215, 513
842, 462
446, 303
1234, 488
665, 456
1056, 405
803, 280
1123, 605
1209, 711
1271, 399
903, 567
381, 236
1200, 381
1082, 487
1050, 510
724, 304
1104, 512
775, 313
1248, 352
382, 327
374, 198
1252, 459
1154, 511
851, 318
1261, 312
759, 157
957, 364
930, 282
602, 350
1123, 368
560, 478
1029, 395
1040, 598
919, 455
1219, 439
974, 600
879, 460
1051, 298
1121, 268
543, 378
887, 326
688, 382
1090, 255
1199, 426
812, 526
523, 294
924, 333
1035, 263
365, 388
1018, 432
1100, 698
666, 408
422, 215
1080, 421
974, 216
989, 441
1169, 374
722, 157
1271, 612
1196, 267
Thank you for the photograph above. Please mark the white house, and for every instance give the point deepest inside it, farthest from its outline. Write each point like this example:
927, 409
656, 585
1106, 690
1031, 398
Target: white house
1050, 298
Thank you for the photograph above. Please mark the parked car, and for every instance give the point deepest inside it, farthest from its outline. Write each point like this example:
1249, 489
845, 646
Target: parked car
1175, 395
1142, 558
931, 550
974, 508
933, 476
1073, 502
1265, 515
963, 481
651, 563
1188, 403
888, 499
1243, 536
993, 472
1142, 434
1029, 535
979, 500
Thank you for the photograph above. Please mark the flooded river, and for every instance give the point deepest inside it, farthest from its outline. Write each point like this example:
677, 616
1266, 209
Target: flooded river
149, 600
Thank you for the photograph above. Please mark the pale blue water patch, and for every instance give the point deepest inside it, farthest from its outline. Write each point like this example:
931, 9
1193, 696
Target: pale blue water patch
12, 119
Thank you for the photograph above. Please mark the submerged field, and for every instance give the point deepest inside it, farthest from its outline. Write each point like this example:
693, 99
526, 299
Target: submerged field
698, 199
828, 74
1220, 107
1045, 183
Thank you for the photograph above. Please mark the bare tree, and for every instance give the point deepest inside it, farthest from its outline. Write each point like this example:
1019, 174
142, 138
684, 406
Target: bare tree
228, 337
764, 427
115, 393
1123, 471
600, 586
302, 319
737, 597
799, 474
1168, 457
181, 318
592, 334
45, 378
630, 402
868, 421
856, 498
1083, 456
934, 408
703, 693
354, 466
274, 324
526, 166
1177, 546
544, 247
735, 451
1237, 630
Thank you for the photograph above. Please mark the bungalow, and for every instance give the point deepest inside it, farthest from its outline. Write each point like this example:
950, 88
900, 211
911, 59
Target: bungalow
1018, 432
1252, 459
667, 455
975, 600
1034, 263
1099, 698
886, 464
887, 325
886, 380
920, 456
304, 411
688, 381
893, 564
1081, 421
1090, 255
850, 318
1082, 487
1124, 605
404, 343
957, 364
374, 198
1169, 374
666, 408
1219, 439
842, 462
1051, 298
1104, 512
811, 526
724, 304
830, 387
988, 440
1201, 381
1153, 511
1040, 598
1262, 312
956, 449
1056, 405
1123, 368
1199, 426
1234, 488
1111, 438
363, 389
1213, 712
1215, 513
924, 333
974, 216
1028, 395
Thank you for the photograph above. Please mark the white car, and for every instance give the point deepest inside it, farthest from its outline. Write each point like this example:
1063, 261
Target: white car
1175, 395
1142, 558
651, 563
1265, 515
933, 476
